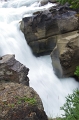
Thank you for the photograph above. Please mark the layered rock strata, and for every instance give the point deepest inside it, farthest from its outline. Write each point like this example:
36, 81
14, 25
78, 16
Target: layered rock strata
42, 28
65, 56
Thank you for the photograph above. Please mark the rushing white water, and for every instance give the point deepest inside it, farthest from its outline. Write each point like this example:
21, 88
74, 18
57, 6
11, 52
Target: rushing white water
42, 78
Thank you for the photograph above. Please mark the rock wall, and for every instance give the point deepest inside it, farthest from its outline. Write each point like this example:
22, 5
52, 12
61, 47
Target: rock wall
53, 30
18, 101
42, 28
65, 56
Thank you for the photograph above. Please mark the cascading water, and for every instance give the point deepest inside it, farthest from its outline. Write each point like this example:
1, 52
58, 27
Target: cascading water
42, 78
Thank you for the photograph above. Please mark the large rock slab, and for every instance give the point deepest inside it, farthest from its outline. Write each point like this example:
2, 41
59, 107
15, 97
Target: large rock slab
65, 56
44, 46
45, 25
12, 70
20, 102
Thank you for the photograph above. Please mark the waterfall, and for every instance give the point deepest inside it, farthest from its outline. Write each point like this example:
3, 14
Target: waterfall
42, 78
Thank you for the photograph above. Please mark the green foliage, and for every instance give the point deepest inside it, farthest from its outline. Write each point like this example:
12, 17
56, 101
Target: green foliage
19, 100
73, 3
11, 105
77, 71
31, 101
71, 107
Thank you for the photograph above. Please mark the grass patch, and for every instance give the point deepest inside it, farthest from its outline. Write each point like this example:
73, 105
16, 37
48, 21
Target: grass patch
24, 99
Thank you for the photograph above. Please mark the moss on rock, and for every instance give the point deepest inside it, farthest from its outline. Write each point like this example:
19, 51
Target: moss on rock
17, 102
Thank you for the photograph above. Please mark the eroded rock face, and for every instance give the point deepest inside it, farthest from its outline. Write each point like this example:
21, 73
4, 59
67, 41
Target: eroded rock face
65, 56
42, 28
12, 70
20, 102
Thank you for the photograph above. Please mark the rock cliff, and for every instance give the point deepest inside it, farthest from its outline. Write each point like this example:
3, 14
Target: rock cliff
18, 101
42, 28
65, 56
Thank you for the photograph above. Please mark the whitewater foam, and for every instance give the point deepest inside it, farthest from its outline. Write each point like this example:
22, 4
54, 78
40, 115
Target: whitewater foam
42, 78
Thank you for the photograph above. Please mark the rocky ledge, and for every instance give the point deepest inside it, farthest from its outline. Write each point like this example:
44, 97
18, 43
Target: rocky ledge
55, 30
42, 28
65, 56
18, 101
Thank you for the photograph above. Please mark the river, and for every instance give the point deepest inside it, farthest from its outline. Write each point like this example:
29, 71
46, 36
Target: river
42, 78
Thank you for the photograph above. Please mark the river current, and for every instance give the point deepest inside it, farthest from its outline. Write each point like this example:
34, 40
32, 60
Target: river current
42, 78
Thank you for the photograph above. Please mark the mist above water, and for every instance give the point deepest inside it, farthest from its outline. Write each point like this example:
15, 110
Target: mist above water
42, 78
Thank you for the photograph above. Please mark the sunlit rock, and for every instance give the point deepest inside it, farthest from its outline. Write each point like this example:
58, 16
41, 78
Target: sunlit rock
65, 56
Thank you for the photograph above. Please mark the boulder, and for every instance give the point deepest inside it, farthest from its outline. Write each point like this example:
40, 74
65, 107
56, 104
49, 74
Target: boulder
65, 56
12, 70
42, 28
20, 102
44, 2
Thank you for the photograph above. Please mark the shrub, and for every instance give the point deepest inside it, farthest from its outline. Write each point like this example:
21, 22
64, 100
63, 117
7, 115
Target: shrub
71, 107
73, 3
77, 71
